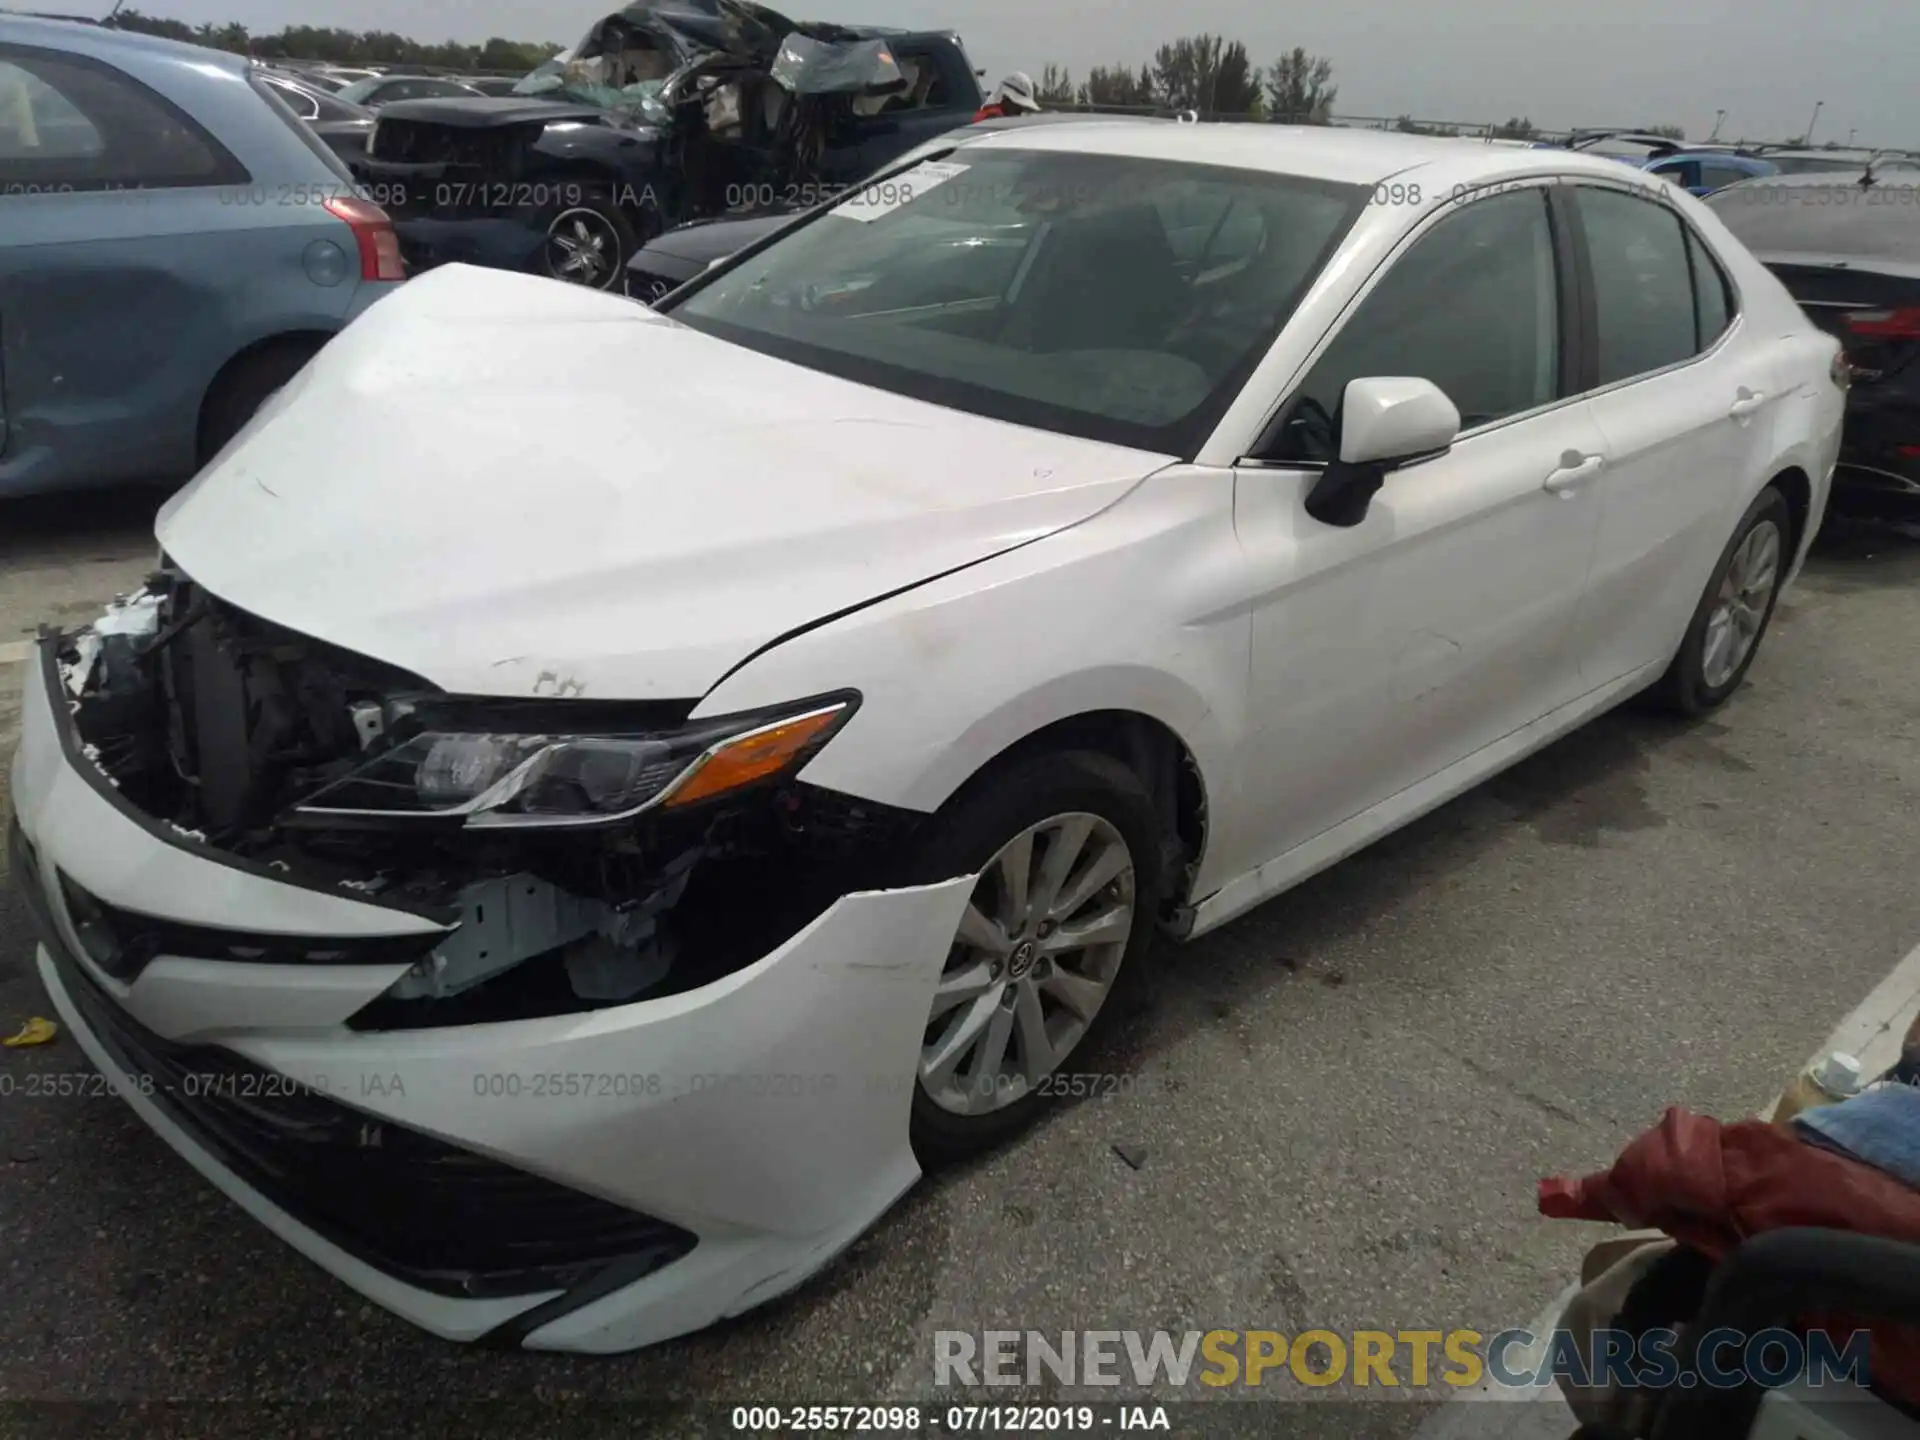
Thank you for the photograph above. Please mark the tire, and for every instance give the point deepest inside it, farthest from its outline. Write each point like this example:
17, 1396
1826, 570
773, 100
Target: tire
589, 244
244, 388
1079, 794
1700, 679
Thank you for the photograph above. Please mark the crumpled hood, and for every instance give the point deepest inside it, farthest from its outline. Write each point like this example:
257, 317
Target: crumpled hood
510, 486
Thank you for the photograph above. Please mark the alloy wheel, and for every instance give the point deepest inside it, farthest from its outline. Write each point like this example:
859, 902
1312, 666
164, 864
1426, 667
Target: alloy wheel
583, 248
1038, 951
1740, 606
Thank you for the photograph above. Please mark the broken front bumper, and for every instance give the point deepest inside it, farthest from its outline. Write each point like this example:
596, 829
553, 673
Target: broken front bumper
657, 1166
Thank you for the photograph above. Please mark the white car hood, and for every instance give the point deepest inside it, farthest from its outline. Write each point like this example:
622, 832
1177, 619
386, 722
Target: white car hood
509, 486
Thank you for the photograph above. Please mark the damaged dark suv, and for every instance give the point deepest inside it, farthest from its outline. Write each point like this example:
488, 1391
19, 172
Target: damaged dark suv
667, 111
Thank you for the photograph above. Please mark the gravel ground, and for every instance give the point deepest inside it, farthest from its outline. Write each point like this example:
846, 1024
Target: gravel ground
1336, 1114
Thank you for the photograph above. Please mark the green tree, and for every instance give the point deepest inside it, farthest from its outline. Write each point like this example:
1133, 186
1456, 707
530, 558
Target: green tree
1206, 73
1118, 86
1669, 132
1516, 128
1300, 89
142, 24
1055, 87
345, 47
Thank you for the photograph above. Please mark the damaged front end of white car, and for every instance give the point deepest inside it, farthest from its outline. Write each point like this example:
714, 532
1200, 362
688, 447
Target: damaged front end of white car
563, 832
562, 1022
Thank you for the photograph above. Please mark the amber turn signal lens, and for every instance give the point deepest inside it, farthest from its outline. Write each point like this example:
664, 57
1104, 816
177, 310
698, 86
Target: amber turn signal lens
753, 756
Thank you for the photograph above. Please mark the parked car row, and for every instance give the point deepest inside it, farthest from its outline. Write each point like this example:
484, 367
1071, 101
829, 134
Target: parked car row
1848, 249
1701, 172
376, 90
655, 118
335, 78
343, 124
736, 136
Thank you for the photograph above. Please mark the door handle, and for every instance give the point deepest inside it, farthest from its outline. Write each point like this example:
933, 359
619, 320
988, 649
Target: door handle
1749, 402
1575, 470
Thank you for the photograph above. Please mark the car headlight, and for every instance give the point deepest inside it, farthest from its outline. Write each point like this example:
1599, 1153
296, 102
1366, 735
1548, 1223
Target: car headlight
489, 780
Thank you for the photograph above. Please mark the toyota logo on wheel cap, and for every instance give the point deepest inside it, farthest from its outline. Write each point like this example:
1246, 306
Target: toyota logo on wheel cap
1021, 961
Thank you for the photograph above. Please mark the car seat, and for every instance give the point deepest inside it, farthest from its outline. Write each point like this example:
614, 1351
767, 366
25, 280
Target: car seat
1766, 1283
1106, 281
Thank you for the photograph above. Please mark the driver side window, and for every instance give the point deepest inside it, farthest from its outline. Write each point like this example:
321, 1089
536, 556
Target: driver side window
1474, 307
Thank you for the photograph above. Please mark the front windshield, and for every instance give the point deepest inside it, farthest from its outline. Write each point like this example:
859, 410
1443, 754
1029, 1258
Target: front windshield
616, 71
1112, 297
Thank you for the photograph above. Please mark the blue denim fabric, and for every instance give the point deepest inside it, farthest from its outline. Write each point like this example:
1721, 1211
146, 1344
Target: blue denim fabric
1881, 1128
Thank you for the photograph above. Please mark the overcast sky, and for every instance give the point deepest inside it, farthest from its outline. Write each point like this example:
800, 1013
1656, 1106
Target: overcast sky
1597, 62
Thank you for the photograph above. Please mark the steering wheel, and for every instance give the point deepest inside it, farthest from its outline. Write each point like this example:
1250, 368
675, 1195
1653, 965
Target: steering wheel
1317, 434
1211, 341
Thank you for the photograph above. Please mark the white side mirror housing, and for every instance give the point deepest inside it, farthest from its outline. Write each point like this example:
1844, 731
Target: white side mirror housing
1385, 420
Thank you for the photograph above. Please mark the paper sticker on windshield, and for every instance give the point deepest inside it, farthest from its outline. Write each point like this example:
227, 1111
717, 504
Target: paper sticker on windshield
883, 197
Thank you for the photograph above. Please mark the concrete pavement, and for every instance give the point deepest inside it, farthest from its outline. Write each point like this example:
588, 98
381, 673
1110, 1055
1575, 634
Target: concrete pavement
1339, 1105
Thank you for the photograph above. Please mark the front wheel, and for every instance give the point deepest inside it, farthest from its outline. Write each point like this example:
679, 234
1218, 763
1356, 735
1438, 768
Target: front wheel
1066, 847
590, 243
1735, 611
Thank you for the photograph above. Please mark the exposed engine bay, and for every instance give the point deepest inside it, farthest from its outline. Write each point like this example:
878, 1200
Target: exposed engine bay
550, 835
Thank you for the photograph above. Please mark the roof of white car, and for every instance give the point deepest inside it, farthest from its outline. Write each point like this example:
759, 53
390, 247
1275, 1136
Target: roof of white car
1360, 157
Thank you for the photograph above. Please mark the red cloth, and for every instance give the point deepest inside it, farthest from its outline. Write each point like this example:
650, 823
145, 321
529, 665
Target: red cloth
994, 111
1710, 1186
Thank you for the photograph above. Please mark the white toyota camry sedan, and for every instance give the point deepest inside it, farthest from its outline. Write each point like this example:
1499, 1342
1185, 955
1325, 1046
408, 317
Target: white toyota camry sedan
593, 799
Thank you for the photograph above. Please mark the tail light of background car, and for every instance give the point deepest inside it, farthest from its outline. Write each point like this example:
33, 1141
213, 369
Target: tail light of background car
375, 235
1901, 324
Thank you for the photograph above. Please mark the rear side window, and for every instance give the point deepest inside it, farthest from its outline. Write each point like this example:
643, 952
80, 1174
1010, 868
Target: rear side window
955, 86
37, 122
1719, 176
71, 123
1643, 284
1712, 294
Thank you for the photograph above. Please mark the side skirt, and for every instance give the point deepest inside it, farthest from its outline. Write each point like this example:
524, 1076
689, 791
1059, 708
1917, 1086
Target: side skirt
1330, 847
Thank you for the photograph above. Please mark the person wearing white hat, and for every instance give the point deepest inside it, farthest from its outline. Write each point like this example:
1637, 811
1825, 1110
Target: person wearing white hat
1014, 96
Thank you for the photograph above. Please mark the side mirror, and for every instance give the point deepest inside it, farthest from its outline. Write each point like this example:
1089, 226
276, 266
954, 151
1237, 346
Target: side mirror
1387, 422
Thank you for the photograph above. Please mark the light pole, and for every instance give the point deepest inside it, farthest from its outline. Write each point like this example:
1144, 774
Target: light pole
1719, 119
1811, 123
1855, 130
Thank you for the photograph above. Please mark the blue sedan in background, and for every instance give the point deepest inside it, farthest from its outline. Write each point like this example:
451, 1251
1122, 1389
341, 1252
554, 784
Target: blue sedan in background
1701, 172
174, 245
